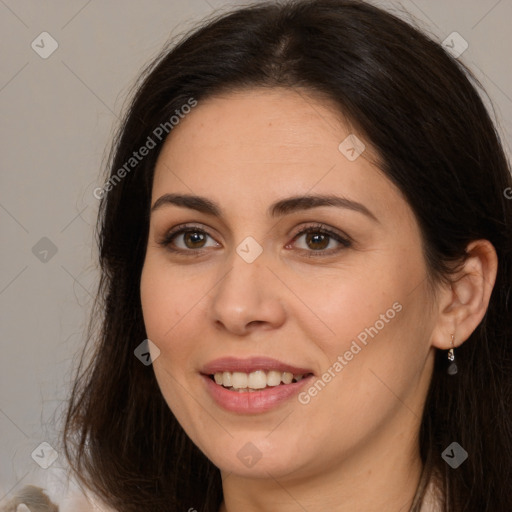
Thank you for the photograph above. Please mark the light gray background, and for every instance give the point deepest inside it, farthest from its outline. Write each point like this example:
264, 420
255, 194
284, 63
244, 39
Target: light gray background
58, 116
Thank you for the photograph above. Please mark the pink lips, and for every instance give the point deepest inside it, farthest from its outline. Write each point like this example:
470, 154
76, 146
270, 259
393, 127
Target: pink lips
232, 364
257, 401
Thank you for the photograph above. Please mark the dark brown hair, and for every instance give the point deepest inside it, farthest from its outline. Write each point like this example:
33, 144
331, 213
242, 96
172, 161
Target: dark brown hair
421, 110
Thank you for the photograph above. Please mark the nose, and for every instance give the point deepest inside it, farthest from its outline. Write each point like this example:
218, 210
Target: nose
247, 298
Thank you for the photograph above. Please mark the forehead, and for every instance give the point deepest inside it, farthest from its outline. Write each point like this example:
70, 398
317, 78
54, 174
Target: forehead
255, 122
266, 143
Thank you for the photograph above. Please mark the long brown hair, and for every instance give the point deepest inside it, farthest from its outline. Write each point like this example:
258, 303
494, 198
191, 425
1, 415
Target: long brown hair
420, 108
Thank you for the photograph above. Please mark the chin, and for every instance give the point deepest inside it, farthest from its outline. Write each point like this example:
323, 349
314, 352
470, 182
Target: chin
254, 455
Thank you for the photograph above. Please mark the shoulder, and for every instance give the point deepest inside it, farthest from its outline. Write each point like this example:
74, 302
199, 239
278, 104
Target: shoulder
433, 500
32, 498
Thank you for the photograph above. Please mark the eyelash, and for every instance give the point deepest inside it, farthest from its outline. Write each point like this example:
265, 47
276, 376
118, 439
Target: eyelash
345, 242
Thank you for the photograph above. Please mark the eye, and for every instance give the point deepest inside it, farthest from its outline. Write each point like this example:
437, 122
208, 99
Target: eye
186, 239
319, 240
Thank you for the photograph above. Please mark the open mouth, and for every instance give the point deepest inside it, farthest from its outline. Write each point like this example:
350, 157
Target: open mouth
255, 381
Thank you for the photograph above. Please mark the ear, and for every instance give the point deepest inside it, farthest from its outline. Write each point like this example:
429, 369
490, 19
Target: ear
462, 305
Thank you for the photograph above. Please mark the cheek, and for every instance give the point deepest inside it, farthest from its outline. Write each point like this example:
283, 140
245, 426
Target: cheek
174, 307
164, 304
375, 320
164, 308
343, 303
394, 346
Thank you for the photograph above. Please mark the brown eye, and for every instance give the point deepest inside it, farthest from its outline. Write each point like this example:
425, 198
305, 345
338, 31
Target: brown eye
317, 241
187, 239
194, 239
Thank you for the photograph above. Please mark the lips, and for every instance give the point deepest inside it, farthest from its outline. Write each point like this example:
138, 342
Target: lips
232, 364
253, 385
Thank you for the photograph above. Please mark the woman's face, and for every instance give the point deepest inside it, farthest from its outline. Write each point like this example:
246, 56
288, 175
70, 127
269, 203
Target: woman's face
245, 292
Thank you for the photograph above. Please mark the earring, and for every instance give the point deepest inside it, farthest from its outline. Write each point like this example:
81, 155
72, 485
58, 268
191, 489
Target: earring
452, 368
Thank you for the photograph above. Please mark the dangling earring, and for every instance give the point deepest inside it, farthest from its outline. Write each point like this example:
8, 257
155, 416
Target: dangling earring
452, 368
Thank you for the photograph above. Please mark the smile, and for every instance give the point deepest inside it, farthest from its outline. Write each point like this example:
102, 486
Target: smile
254, 385
254, 381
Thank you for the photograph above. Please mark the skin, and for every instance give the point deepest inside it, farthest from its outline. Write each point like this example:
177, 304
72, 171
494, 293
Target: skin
354, 446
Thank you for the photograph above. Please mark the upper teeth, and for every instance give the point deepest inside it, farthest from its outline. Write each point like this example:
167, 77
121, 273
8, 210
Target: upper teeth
255, 380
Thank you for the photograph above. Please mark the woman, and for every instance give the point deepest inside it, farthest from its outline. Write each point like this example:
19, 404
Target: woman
305, 228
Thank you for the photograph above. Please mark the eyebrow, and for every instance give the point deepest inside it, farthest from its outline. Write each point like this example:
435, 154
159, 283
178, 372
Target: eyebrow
277, 209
